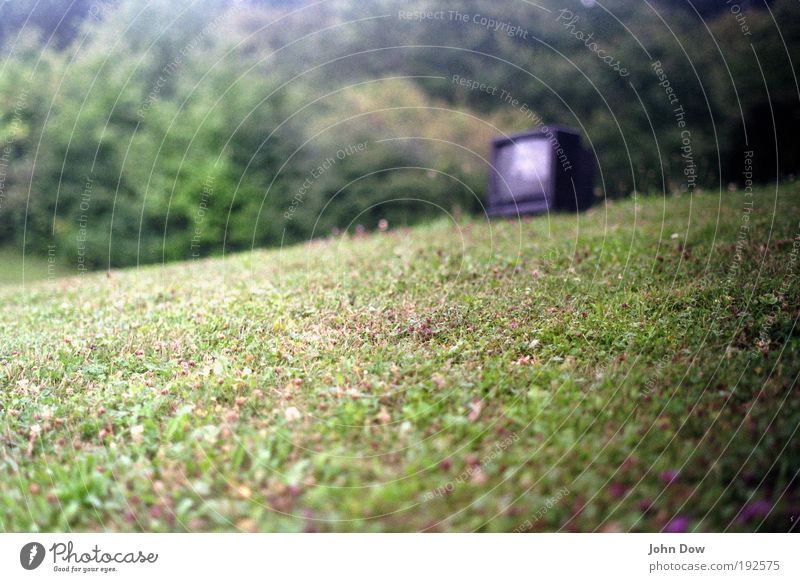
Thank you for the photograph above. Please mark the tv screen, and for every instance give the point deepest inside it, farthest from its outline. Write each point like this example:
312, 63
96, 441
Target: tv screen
525, 171
538, 171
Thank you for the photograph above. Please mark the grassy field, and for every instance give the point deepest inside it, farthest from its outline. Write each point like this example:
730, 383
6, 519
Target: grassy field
35, 268
633, 368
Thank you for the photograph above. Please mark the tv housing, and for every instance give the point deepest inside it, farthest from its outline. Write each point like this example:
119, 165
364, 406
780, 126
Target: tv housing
539, 171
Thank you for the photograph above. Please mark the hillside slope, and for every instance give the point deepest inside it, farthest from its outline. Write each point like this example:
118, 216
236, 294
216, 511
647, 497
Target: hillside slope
634, 368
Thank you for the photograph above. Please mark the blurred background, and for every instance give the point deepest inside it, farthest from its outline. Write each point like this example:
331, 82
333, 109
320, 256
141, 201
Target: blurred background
135, 132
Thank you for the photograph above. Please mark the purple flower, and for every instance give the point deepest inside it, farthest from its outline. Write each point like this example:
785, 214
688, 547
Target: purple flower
669, 476
618, 490
760, 508
678, 524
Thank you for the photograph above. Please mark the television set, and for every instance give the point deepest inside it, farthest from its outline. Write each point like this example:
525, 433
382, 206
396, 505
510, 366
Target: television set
537, 171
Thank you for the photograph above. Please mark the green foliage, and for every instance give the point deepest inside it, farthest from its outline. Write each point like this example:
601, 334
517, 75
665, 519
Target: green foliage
183, 129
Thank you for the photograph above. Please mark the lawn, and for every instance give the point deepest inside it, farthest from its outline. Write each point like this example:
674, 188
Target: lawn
631, 368
18, 270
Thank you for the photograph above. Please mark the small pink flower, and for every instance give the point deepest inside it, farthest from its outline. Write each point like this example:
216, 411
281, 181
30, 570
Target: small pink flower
617, 490
292, 414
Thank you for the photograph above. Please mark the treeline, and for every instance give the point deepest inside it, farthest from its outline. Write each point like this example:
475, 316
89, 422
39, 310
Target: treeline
167, 130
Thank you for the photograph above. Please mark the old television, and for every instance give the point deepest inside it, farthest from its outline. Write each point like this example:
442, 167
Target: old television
537, 171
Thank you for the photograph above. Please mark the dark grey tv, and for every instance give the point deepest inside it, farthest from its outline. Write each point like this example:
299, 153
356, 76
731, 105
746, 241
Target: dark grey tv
537, 171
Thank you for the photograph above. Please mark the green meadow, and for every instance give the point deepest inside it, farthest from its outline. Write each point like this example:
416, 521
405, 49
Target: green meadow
632, 368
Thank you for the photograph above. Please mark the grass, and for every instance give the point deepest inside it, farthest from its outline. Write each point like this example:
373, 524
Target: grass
631, 369
35, 268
